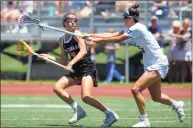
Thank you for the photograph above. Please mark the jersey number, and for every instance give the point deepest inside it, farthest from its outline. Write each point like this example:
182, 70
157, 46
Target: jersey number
141, 49
134, 44
73, 54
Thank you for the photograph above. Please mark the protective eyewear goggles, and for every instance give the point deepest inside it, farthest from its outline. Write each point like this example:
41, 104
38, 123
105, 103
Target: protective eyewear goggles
68, 20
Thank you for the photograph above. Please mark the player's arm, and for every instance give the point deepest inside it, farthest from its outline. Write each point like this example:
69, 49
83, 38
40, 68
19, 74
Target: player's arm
81, 53
116, 39
62, 60
105, 35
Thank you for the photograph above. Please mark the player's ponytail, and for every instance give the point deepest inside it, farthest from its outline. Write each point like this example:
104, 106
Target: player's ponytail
135, 6
134, 12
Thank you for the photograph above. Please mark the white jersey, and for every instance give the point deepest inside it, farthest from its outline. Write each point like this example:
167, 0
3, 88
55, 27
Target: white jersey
140, 37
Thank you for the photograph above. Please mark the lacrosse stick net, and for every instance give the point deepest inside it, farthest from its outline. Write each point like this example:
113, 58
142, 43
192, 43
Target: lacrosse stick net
24, 49
28, 20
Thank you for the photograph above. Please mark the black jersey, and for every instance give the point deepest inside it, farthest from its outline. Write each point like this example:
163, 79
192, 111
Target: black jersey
84, 66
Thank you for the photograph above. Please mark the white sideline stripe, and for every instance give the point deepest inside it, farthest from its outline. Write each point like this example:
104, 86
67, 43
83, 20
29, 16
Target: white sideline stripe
64, 106
34, 106
174, 119
69, 110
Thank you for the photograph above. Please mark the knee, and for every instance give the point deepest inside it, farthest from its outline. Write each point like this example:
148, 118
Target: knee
57, 88
135, 90
86, 98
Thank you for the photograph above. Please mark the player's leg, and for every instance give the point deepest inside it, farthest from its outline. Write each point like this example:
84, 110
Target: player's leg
62, 84
145, 81
86, 91
59, 89
157, 96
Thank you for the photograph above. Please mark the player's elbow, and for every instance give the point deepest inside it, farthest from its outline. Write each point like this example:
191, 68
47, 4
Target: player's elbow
84, 52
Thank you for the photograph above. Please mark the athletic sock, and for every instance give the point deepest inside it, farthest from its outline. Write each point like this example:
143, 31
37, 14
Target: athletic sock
74, 105
107, 111
174, 104
144, 116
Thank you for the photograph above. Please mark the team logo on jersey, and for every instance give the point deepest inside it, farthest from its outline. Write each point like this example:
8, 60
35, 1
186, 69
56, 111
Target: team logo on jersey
129, 31
72, 48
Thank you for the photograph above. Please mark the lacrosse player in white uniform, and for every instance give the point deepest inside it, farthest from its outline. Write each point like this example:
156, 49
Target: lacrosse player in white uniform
155, 63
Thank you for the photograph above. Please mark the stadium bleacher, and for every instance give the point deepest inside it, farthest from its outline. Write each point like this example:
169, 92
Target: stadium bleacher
115, 21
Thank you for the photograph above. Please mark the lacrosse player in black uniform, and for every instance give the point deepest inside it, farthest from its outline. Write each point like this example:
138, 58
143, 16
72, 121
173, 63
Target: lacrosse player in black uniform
84, 73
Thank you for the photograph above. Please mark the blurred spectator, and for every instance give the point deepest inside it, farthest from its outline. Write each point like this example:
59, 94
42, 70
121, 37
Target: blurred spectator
13, 12
160, 8
123, 5
183, 51
10, 13
81, 8
183, 3
25, 7
111, 62
171, 51
107, 9
36, 3
156, 30
62, 7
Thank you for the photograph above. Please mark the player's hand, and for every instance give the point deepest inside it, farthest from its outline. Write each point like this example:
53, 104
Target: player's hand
43, 56
86, 36
69, 68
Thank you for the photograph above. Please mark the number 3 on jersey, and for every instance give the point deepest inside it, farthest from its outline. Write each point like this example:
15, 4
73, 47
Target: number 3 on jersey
72, 54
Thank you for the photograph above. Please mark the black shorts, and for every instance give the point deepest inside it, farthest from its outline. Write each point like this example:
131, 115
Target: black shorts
78, 76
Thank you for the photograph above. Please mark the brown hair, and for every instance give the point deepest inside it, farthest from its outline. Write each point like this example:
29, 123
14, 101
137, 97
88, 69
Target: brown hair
133, 10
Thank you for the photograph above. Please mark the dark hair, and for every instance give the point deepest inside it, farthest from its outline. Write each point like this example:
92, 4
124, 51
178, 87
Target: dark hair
133, 10
65, 17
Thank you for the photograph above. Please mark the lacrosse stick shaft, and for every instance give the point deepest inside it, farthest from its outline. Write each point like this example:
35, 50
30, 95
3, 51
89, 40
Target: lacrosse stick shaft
50, 60
61, 30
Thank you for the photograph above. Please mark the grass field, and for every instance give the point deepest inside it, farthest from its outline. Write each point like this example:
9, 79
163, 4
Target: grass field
59, 113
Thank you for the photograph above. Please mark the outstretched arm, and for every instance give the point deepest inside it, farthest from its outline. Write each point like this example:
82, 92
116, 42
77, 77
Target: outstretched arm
105, 35
116, 39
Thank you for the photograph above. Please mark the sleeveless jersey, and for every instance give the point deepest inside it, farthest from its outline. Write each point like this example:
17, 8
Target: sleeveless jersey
84, 66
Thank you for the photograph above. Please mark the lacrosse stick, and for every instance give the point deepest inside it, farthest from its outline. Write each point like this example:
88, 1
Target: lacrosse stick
24, 49
28, 20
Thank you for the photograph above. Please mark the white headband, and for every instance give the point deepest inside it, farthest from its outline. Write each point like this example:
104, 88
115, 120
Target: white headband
127, 12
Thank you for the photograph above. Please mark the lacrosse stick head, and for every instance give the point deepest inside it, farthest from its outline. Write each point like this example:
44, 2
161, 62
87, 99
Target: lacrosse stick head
28, 20
23, 48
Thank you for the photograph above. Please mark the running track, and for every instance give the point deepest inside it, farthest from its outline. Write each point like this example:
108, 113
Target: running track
111, 91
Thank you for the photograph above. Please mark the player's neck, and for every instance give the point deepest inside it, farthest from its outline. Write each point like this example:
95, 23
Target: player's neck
131, 24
